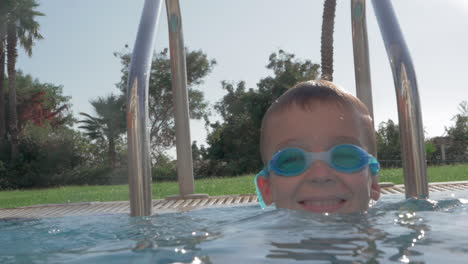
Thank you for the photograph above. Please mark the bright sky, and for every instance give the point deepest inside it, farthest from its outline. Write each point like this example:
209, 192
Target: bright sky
81, 36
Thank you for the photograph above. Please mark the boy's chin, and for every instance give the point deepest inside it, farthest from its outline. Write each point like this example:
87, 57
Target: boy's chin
321, 207
328, 207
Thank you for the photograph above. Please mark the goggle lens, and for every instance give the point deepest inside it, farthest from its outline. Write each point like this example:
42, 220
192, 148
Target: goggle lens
347, 157
291, 161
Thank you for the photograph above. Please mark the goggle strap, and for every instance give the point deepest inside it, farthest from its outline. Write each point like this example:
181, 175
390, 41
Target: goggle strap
374, 165
259, 194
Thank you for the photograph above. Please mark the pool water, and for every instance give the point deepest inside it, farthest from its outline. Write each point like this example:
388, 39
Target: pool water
393, 231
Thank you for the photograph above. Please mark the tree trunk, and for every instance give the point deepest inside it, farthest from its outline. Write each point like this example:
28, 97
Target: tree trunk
2, 83
2, 89
328, 22
12, 54
112, 153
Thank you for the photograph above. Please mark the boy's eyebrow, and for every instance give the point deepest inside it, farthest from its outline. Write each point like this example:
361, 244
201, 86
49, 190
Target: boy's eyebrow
344, 139
290, 143
330, 142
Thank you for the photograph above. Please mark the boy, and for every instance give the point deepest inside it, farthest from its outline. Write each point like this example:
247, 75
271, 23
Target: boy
315, 144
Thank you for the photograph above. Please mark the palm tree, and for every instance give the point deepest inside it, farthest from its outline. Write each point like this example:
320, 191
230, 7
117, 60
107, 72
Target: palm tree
4, 10
22, 29
108, 124
2, 79
328, 22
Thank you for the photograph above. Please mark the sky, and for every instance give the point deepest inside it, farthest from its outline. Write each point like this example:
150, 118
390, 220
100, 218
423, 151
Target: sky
80, 38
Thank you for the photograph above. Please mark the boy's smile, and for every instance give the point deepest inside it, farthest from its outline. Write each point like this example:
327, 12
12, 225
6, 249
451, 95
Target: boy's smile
322, 204
320, 188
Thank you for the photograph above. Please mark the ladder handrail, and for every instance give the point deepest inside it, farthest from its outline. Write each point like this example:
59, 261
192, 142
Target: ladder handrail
409, 112
139, 162
361, 54
180, 95
409, 107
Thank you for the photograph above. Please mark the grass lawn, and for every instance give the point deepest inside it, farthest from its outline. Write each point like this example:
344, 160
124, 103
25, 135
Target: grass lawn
435, 174
213, 186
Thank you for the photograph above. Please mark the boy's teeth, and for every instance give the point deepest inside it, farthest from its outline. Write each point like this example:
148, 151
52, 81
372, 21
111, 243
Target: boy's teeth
322, 202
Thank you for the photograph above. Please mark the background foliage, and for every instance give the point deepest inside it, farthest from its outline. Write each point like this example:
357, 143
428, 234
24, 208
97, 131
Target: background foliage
43, 145
233, 143
161, 104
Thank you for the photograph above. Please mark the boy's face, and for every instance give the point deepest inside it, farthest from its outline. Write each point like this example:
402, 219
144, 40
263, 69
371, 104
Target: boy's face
320, 188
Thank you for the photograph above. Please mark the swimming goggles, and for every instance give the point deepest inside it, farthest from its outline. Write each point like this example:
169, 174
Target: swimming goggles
291, 162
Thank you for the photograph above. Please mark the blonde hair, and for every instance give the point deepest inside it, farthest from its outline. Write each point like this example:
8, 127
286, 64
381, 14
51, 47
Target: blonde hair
305, 94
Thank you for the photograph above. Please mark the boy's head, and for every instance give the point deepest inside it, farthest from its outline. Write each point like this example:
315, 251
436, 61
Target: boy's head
317, 116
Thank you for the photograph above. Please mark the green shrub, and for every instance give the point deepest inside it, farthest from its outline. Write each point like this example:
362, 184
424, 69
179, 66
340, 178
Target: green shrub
164, 172
4, 181
53, 157
86, 176
214, 168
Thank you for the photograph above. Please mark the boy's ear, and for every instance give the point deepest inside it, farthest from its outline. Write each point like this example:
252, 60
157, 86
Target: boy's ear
264, 185
375, 188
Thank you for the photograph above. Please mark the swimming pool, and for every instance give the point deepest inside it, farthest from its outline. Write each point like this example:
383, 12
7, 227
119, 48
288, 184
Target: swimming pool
393, 231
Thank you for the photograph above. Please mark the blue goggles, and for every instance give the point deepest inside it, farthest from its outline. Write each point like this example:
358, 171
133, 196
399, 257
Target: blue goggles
345, 158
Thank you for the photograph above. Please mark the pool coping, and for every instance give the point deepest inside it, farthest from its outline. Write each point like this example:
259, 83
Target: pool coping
161, 206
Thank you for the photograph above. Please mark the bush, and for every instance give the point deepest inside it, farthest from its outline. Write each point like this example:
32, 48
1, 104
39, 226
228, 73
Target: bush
86, 176
164, 172
4, 181
53, 157
20, 177
211, 168
46, 154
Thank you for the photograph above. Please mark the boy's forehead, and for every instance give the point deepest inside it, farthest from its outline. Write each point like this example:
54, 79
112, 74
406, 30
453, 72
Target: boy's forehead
352, 133
328, 142
330, 110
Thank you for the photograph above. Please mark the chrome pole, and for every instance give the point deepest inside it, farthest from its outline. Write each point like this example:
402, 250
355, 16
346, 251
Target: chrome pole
139, 163
409, 108
179, 89
361, 54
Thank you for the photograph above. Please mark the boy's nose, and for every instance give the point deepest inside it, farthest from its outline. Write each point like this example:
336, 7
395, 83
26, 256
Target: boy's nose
320, 172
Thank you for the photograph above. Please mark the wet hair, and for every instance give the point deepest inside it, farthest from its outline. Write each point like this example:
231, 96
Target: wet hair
310, 94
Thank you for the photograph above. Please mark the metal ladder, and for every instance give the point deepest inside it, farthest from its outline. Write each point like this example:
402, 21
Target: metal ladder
409, 112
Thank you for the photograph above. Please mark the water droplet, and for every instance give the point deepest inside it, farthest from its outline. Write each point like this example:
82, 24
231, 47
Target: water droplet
404, 259
54, 231
196, 261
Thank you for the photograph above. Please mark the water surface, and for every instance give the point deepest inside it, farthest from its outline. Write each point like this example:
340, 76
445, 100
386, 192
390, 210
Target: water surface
393, 231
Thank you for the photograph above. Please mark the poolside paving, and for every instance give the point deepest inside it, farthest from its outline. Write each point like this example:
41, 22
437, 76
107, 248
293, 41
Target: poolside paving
176, 205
